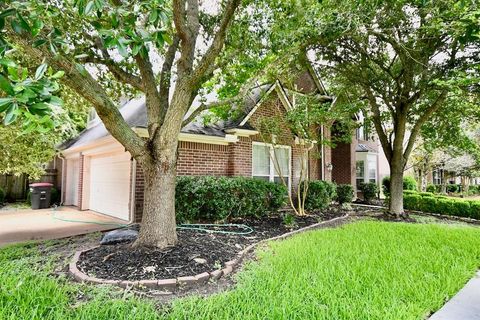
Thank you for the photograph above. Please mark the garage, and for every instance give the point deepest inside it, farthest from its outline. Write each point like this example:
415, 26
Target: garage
72, 179
110, 184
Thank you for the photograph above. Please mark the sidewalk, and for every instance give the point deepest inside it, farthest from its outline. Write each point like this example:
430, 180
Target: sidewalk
465, 305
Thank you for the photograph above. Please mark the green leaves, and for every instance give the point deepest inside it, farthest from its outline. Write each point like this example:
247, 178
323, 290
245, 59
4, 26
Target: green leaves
28, 98
40, 71
11, 114
6, 86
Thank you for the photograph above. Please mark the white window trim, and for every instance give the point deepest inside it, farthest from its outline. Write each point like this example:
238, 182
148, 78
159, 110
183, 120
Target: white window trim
375, 167
271, 176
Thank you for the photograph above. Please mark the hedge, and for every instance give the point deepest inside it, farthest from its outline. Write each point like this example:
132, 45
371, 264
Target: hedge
2, 196
209, 198
345, 193
442, 205
320, 194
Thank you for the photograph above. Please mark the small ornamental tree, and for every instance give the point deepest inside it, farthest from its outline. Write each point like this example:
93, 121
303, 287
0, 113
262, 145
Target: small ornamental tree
165, 50
300, 128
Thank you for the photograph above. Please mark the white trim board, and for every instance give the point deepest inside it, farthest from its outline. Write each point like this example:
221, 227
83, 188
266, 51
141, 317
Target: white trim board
281, 93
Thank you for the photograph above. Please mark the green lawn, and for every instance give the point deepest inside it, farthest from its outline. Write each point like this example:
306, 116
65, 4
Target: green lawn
364, 270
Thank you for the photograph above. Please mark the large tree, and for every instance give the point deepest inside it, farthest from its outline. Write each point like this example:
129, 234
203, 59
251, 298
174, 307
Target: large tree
166, 50
406, 62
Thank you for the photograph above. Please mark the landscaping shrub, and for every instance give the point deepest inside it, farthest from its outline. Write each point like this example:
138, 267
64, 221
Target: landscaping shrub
444, 206
452, 188
218, 198
426, 194
411, 201
345, 193
474, 209
431, 188
410, 192
427, 204
320, 194
461, 208
475, 189
409, 183
369, 191
2, 196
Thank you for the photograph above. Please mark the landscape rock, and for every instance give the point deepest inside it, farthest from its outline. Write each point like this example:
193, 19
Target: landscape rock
200, 260
118, 236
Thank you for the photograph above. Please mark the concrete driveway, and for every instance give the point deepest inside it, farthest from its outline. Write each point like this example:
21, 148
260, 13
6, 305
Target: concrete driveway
26, 224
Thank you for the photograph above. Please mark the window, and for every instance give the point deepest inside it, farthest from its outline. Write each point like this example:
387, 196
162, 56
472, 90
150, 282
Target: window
372, 168
360, 173
261, 162
437, 177
264, 166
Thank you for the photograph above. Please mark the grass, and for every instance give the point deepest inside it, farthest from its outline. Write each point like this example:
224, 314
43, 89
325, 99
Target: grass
364, 270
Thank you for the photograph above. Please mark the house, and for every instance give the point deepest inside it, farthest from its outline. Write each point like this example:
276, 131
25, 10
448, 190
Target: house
99, 175
359, 161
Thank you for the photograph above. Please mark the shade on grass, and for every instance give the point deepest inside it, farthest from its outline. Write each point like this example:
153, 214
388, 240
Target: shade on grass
364, 270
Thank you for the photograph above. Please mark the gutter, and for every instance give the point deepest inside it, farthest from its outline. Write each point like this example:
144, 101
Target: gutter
133, 183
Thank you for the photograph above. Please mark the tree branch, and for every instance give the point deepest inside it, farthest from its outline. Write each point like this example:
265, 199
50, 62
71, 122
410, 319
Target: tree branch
152, 97
423, 118
165, 77
377, 121
86, 86
120, 74
218, 41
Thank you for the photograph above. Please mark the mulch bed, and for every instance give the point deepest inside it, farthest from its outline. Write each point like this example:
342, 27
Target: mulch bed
211, 250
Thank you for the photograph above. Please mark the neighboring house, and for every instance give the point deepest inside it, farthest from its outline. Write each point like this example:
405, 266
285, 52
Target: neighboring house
359, 161
100, 175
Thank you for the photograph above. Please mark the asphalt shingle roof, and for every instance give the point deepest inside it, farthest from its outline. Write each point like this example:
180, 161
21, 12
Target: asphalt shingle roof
135, 114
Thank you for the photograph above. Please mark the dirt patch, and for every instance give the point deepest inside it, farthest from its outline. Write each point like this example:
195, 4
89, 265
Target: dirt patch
196, 252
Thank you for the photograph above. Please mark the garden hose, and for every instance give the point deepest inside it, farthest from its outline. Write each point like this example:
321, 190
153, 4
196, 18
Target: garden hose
54, 215
203, 227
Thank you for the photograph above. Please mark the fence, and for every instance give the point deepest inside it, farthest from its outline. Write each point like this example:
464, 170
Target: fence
16, 187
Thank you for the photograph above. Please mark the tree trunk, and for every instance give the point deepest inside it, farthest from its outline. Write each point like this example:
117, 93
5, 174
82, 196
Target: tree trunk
396, 189
158, 226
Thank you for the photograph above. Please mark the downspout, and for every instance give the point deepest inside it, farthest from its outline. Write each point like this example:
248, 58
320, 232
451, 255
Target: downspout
62, 179
132, 192
322, 152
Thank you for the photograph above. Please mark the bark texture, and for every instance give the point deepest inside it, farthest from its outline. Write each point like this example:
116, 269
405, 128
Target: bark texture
159, 225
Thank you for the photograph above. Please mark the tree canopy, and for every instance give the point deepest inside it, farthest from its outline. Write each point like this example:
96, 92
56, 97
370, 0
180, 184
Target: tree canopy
410, 65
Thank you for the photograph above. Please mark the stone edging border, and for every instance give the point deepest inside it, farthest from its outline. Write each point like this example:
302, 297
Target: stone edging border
428, 214
199, 279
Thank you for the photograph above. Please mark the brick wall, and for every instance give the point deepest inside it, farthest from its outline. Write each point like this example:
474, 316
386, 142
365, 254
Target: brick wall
139, 196
232, 160
202, 159
240, 158
343, 160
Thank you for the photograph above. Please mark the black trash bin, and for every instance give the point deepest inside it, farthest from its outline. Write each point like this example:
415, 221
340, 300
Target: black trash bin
40, 194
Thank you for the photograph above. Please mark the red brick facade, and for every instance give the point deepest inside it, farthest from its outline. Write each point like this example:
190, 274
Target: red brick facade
202, 159
234, 159
343, 161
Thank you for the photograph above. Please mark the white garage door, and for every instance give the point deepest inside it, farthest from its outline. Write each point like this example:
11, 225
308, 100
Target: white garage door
110, 185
